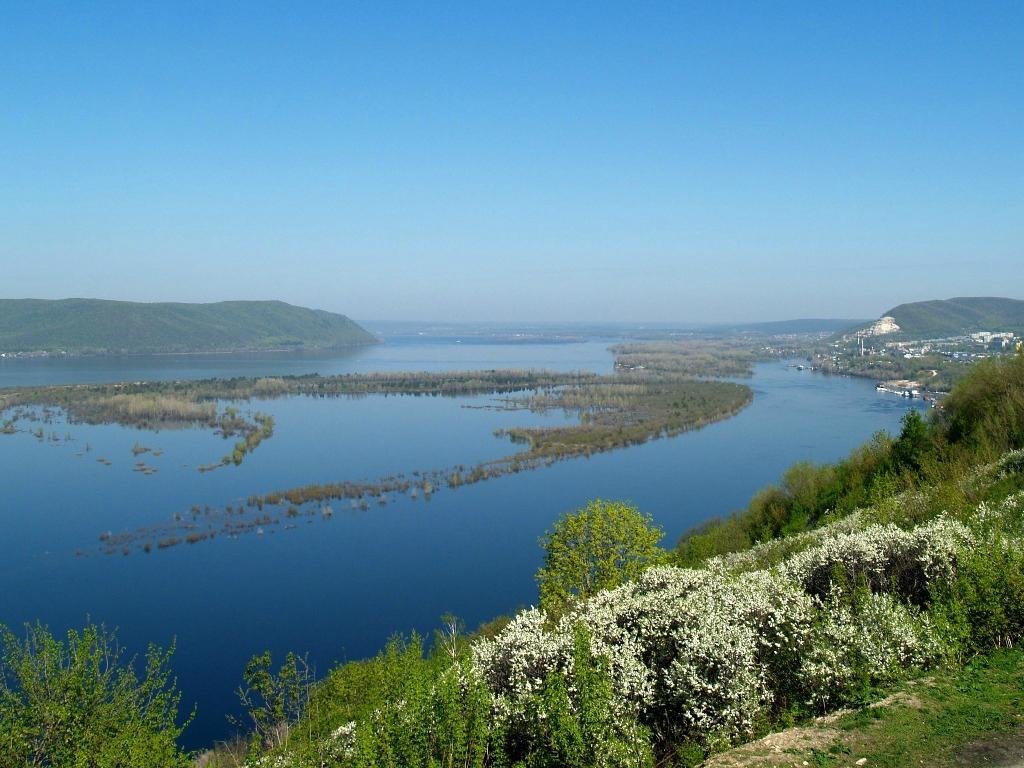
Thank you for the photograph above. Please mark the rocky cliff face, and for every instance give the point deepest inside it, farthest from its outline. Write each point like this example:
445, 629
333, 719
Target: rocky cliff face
881, 327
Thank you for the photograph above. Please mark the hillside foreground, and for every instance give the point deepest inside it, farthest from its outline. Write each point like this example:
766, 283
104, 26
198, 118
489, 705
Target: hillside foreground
958, 718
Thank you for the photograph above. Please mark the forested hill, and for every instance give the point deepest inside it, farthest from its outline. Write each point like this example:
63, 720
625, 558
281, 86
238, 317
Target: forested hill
953, 317
98, 326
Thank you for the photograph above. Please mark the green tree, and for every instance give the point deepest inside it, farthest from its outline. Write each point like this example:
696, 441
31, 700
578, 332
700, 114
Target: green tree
79, 703
274, 701
985, 411
913, 444
597, 547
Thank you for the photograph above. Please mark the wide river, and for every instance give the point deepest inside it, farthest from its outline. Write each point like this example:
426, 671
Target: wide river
337, 588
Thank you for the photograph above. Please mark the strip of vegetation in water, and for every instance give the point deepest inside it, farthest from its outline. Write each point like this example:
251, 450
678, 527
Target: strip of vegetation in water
178, 404
612, 412
652, 394
689, 357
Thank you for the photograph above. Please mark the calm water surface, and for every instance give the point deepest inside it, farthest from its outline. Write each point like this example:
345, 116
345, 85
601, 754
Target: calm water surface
338, 588
400, 353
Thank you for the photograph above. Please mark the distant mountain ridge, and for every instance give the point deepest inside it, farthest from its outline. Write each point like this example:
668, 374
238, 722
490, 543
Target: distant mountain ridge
950, 317
97, 326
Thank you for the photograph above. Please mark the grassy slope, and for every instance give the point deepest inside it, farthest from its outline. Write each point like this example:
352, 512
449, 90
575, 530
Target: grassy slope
951, 317
91, 325
968, 717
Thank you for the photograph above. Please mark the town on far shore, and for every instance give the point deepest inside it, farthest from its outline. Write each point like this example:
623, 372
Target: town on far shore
911, 367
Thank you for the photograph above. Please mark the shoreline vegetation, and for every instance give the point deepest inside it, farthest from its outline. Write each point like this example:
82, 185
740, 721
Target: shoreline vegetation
664, 398
719, 359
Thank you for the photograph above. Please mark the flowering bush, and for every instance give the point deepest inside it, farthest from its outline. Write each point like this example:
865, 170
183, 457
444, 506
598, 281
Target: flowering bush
702, 654
888, 558
699, 657
863, 640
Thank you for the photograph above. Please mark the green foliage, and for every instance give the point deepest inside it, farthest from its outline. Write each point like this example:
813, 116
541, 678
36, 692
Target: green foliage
597, 547
400, 709
985, 412
274, 700
577, 728
983, 606
806, 495
78, 703
915, 443
407, 709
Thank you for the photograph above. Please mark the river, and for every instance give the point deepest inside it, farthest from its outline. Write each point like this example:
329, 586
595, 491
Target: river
337, 588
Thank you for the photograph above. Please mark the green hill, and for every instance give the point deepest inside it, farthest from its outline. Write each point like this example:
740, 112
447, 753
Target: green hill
98, 326
954, 317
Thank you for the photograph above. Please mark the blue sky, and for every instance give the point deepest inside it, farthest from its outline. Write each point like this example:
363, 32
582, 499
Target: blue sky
488, 161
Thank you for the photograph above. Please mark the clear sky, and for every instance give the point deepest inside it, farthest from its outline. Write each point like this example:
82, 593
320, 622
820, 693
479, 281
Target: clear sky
488, 161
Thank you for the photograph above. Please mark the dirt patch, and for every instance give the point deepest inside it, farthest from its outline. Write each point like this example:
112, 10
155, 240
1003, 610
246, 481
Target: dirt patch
788, 747
775, 749
1005, 751
901, 698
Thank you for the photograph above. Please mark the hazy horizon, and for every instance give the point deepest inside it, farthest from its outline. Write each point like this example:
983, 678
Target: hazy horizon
728, 164
522, 322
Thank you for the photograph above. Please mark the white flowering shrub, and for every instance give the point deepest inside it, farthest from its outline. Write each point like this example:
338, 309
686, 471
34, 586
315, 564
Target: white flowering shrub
868, 641
701, 654
775, 551
714, 685
686, 649
515, 664
1011, 463
886, 558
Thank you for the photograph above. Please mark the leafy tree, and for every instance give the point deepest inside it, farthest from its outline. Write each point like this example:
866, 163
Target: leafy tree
985, 411
274, 701
79, 703
913, 444
597, 547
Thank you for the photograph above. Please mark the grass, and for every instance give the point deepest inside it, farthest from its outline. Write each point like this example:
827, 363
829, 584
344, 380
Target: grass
982, 700
971, 716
